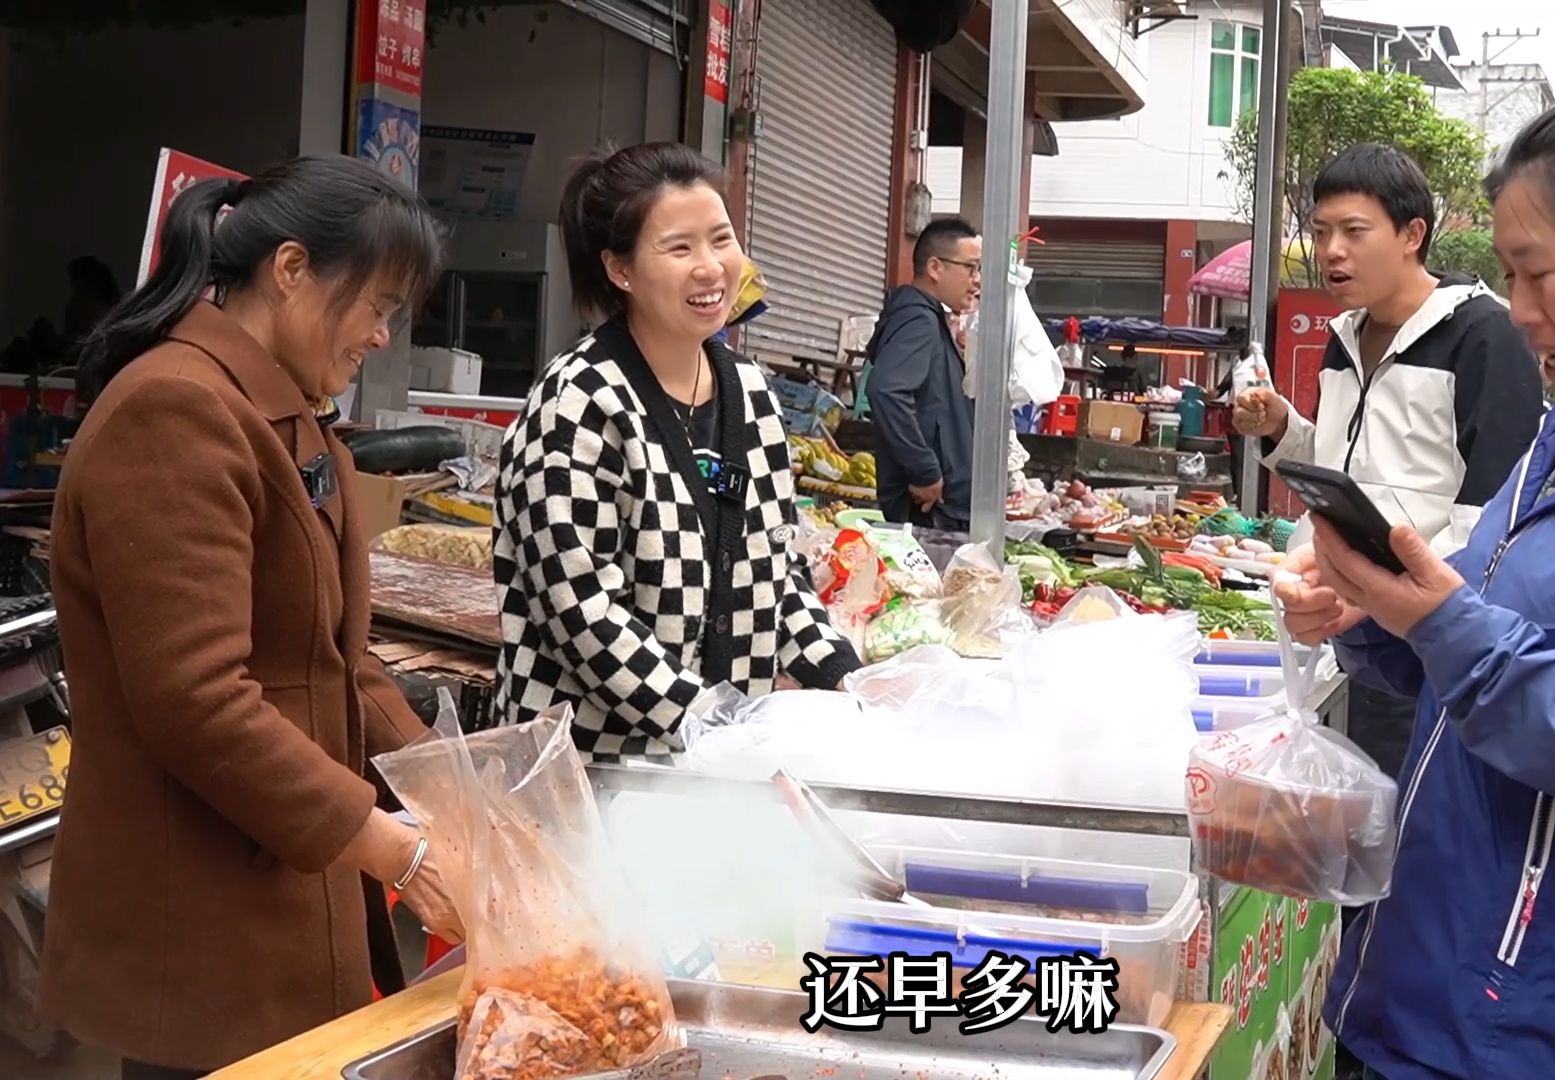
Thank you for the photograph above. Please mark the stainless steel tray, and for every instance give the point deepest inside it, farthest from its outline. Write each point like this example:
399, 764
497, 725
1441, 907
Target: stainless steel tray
748, 1032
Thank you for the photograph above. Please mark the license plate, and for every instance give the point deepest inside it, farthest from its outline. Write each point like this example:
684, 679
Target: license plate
33, 772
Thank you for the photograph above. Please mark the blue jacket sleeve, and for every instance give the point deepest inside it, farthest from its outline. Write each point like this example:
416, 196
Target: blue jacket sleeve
1495, 674
902, 364
1375, 658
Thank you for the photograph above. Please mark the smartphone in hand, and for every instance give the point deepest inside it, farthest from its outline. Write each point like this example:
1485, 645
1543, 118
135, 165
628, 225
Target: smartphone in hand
1337, 498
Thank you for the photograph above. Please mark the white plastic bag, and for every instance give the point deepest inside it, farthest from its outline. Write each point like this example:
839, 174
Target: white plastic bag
1036, 374
1250, 371
1292, 807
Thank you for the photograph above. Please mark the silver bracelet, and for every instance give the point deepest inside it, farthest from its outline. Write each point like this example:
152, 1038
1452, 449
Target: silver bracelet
415, 864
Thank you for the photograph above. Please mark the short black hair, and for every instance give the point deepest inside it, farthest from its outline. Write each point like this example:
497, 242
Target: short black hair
1388, 175
605, 204
938, 240
1531, 152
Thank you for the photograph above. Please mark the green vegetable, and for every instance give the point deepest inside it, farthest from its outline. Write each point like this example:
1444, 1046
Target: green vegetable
1018, 550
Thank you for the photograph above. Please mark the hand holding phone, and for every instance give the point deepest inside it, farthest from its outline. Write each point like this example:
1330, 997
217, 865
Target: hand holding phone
1335, 497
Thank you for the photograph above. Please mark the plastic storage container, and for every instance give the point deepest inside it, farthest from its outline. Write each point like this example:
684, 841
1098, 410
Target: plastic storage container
1228, 714
1031, 908
1164, 427
1240, 682
1245, 653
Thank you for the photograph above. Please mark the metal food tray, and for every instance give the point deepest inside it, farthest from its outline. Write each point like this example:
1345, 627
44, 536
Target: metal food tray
753, 1033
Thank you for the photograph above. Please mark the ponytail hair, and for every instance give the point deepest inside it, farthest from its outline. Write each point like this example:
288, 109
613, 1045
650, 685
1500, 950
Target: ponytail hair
354, 222
145, 317
606, 201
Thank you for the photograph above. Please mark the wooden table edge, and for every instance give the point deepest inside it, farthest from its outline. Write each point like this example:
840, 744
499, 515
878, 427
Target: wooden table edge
322, 1053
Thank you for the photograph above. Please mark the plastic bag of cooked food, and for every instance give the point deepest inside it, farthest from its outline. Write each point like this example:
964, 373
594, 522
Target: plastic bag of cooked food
1289, 806
560, 977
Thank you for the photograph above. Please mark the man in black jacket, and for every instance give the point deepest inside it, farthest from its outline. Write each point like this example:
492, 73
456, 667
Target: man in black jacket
916, 393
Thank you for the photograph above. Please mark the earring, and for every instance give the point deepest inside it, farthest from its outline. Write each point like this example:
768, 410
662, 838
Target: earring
626, 284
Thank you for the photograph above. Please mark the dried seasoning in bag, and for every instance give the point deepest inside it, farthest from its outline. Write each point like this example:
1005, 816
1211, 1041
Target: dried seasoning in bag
561, 978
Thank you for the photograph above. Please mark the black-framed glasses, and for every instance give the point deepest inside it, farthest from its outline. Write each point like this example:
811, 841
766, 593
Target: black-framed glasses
973, 267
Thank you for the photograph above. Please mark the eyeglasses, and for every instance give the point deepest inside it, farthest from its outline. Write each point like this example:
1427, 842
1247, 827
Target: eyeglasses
975, 268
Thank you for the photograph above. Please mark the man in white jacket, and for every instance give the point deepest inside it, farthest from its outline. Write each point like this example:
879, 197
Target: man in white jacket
1428, 395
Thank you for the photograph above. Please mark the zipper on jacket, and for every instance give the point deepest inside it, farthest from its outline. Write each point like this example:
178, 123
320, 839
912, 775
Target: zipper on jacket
1357, 419
1541, 833
1432, 743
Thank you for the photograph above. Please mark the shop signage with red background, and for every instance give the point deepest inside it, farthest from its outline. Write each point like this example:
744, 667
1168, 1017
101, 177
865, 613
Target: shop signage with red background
175, 172
391, 40
1300, 342
720, 29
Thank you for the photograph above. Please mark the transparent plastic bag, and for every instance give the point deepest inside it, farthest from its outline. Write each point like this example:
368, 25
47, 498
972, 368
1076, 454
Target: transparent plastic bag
1094, 603
981, 605
1289, 806
904, 626
549, 921
728, 732
850, 580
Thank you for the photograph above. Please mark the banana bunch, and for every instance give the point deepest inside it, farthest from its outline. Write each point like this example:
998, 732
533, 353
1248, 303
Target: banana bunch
816, 458
861, 470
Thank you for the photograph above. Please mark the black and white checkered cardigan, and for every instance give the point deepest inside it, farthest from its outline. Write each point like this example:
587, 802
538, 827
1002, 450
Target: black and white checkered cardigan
623, 589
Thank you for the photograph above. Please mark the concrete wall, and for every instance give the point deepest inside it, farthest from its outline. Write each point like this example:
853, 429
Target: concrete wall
1517, 93
572, 81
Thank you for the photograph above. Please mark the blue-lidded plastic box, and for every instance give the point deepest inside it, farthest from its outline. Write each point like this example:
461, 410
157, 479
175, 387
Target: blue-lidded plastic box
1139, 916
1240, 682
1260, 654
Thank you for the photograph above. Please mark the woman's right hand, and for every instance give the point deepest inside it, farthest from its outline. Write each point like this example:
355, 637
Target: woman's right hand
427, 895
383, 849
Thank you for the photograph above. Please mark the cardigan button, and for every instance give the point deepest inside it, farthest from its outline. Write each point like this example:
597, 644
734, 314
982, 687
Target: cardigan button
726, 562
721, 624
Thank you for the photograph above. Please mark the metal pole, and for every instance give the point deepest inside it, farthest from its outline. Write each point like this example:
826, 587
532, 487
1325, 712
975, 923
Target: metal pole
1268, 209
1003, 221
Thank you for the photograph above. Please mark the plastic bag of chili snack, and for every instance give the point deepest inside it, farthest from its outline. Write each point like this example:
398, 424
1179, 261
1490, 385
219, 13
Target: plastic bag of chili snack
1289, 806
561, 976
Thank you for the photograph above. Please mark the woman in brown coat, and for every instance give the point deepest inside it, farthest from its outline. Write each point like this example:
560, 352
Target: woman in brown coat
211, 890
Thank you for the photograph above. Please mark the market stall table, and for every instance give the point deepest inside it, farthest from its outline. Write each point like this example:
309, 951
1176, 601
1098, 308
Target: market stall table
321, 1054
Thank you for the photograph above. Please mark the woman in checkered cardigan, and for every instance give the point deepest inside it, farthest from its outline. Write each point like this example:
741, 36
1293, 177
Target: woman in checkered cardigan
645, 514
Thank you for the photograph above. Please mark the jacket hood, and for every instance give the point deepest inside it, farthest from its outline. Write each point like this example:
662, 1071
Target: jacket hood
903, 299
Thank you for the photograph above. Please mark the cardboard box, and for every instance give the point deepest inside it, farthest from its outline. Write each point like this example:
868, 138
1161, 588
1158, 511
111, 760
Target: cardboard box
1112, 421
382, 501
447, 371
807, 408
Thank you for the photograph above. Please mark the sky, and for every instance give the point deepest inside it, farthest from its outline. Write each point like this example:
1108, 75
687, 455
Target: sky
1468, 20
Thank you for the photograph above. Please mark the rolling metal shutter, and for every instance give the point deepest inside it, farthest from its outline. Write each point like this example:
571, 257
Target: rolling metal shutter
661, 24
1098, 259
820, 175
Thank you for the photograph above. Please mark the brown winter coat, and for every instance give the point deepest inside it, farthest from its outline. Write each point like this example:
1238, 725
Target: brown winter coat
214, 628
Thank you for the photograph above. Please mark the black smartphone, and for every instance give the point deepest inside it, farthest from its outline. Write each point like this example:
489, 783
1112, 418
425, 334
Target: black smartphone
1338, 499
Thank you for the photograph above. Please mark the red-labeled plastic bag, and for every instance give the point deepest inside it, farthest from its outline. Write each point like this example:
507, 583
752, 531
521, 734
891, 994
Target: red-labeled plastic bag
1289, 806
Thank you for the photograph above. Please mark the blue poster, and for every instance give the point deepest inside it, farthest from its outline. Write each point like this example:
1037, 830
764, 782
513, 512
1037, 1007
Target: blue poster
389, 135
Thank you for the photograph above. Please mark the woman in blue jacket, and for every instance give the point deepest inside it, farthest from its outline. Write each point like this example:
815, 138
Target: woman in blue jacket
1453, 975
